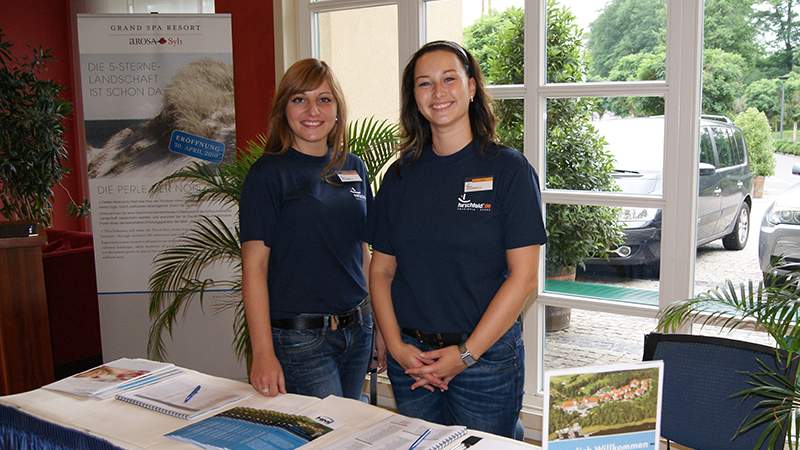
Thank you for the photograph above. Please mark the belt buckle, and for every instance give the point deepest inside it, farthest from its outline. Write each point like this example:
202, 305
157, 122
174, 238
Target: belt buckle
334, 322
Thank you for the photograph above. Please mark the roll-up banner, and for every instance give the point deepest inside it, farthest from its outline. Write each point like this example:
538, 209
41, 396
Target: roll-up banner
157, 95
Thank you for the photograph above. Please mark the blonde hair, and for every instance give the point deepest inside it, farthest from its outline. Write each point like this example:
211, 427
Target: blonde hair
306, 75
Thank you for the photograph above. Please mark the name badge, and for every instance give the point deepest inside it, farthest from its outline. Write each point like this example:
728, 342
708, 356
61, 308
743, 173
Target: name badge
478, 184
348, 176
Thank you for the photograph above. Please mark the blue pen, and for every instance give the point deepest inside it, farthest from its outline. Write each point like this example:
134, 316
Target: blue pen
191, 394
420, 439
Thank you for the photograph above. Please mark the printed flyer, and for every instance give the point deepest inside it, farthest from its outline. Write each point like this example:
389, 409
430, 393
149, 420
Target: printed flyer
615, 407
157, 95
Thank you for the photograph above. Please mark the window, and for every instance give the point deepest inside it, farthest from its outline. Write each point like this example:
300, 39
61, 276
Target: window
625, 205
741, 150
724, 149
146, 6
706, 149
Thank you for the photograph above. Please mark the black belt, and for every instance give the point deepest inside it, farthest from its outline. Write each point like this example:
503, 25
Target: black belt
332, 321
437, 340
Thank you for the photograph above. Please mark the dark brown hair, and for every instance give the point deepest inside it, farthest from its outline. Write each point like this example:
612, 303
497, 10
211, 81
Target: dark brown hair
416, 130
306, 75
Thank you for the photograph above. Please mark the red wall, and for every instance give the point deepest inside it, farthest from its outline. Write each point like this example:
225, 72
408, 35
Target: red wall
47, 23
253, 64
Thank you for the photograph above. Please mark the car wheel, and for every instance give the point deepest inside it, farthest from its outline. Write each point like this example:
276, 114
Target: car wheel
737, 239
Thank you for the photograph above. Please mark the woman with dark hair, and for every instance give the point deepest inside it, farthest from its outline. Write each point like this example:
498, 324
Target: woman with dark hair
302, 217
456, 230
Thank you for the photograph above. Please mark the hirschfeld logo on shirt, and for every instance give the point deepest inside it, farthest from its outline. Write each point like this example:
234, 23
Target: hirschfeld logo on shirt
464, 204
357, 194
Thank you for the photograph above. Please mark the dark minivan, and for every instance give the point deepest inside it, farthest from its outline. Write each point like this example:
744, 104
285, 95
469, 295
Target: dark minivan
724, 201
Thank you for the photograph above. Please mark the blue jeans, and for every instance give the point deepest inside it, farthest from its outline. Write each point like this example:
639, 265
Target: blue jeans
321, 362
485, 397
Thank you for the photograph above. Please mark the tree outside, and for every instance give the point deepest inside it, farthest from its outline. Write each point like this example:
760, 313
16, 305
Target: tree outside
757, 134
750, 53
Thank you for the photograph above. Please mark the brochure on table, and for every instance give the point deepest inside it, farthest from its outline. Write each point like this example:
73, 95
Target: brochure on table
123, 374
603, 407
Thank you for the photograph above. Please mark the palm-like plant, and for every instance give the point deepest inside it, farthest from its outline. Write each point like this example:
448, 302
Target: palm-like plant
772, 305
179, 271
374, 141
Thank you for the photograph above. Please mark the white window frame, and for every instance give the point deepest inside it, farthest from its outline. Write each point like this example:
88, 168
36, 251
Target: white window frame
681, 91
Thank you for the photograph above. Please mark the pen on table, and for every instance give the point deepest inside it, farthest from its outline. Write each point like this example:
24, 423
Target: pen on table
191, 394
420, 439
467, 443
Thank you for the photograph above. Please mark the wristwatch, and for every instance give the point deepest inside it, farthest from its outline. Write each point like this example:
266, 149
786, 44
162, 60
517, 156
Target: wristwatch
466, 356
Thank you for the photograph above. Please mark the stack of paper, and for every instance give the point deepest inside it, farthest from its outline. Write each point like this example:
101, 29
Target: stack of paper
117, 376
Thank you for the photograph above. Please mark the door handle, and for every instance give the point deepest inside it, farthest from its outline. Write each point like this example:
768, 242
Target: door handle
717, 191
739, 184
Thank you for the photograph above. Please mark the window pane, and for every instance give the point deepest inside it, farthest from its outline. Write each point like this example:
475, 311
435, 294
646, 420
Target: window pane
741, 149
723, 144
727, 213
370, 86
168, 6
740, 82
622, 150
706, 148
485, 28
596, 41
509, 114
593, 338
604, 253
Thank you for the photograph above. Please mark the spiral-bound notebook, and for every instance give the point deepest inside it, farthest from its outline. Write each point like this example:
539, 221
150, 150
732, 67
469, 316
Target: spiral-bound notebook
398, 431
184, 396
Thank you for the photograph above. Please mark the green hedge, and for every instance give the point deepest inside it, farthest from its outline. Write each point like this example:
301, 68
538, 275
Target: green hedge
760, 148
789, 147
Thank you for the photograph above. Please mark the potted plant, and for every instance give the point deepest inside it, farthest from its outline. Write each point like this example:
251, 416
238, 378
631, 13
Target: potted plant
31, 136
760, 153
177, 278
771, 305
576, 158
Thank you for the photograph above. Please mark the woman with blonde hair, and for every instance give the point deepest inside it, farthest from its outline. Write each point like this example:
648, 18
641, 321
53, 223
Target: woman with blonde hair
302, 218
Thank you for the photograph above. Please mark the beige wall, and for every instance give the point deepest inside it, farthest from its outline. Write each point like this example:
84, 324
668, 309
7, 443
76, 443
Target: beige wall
361, 46
444, 20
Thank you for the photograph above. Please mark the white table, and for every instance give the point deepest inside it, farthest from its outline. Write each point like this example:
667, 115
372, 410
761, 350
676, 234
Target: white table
130, 426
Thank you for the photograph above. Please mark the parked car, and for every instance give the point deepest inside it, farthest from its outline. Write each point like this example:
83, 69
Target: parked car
724, 202
780, 230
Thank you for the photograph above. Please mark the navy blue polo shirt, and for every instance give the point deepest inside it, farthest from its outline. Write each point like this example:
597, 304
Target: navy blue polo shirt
449, 220
315, 230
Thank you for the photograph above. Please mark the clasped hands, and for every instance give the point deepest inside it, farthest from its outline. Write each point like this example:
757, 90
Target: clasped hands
430, 370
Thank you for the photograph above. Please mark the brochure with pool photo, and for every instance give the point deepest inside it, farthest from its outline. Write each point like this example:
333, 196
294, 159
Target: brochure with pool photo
243, 428
603, 407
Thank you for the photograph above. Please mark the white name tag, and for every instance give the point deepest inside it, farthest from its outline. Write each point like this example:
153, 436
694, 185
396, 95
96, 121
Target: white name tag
347, 176
479, 184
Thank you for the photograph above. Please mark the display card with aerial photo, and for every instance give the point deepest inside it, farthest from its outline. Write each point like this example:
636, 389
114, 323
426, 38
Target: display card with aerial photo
614, 407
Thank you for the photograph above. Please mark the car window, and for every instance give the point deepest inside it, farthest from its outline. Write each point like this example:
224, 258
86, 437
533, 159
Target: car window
706, 151
637, 144
724, 148
738, 138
